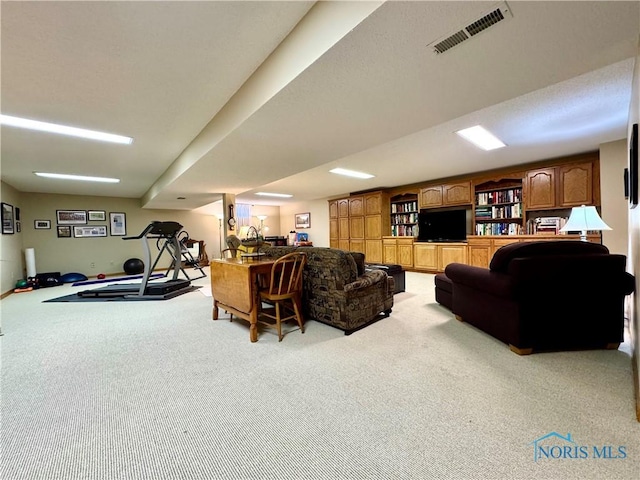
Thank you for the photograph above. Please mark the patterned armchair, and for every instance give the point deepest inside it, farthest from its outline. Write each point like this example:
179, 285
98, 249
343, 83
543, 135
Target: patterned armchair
338, 291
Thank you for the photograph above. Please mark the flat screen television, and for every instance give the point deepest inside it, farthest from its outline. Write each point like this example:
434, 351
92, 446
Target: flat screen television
442, 226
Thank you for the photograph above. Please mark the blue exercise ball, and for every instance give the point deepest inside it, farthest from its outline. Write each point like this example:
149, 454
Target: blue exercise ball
133, 266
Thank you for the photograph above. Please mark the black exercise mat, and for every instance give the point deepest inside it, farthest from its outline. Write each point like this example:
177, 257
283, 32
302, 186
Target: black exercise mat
75, 298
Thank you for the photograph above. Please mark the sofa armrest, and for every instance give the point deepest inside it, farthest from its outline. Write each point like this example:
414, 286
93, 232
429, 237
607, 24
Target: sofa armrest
365, 280
483, 279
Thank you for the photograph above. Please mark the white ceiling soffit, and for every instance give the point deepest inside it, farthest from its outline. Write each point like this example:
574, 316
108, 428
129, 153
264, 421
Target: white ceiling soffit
495, 15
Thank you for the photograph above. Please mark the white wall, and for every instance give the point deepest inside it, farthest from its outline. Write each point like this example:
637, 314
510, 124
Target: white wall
613, 160
11, 259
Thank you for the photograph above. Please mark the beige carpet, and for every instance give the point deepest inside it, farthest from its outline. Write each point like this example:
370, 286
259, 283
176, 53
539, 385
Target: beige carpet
157, 390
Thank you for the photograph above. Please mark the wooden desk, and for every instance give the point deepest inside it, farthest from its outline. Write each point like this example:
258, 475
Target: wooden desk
234, 286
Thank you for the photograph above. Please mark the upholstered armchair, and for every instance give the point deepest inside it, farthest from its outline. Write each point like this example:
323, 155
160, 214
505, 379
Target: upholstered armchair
557, 295
338, 291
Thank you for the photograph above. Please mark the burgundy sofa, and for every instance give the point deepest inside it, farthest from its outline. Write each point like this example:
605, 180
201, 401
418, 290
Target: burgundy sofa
537, 296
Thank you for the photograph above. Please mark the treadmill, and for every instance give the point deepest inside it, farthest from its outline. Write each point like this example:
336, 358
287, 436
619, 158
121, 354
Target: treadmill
146, 290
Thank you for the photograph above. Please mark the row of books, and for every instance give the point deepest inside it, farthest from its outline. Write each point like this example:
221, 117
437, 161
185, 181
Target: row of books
504, 211
500, 196
404, 218
404, 230
404, 207
501, 228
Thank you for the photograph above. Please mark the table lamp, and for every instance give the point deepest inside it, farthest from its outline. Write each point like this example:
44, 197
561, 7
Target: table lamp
582, 219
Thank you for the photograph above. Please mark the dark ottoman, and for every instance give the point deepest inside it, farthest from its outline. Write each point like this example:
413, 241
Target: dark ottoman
392, 270
444, 290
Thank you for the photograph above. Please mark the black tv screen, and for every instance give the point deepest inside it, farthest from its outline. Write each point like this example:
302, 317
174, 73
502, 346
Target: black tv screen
442, 226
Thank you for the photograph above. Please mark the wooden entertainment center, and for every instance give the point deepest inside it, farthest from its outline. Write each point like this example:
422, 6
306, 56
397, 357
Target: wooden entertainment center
503, 206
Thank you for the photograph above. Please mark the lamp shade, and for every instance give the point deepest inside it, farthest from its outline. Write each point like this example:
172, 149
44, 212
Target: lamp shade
582, 219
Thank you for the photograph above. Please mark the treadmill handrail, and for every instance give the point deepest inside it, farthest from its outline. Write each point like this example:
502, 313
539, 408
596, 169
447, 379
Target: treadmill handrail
144, 232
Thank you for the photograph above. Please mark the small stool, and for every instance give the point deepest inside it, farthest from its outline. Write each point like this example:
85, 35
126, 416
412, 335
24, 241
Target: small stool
444, 290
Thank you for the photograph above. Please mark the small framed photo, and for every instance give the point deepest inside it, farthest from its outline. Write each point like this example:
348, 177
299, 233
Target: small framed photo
303, 220
42, 224
7, 218
89, 232
71, 217
18, 227
64, 231
97, 215
117, 223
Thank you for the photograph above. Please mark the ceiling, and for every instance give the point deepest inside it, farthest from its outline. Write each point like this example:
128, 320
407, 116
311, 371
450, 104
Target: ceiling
241, 97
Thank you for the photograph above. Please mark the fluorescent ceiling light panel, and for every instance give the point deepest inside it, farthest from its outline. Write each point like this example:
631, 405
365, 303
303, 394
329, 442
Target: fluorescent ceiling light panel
481, 137
282, 195
82, 178
63, 130
351, 173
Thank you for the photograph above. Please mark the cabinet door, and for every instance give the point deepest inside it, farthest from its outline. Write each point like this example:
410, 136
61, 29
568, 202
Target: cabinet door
457, 193
576, 185
373, 251
373, 204
425, 256
451, 254
343, 207
356, 227
356, 206
389, 250
343, 244
343, 228
431, 197
333, 209
334, 243
405, 252
357, 246
334, 230
541, 189
501, 242
373, 227
479, 255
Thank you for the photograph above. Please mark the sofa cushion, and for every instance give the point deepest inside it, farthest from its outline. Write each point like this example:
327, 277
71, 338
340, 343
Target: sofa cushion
360, 263
504, 255
366, 279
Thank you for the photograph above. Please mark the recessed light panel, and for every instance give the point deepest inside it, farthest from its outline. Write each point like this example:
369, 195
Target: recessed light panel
82, 178
282, 195
351, 173
63, 130
481, 138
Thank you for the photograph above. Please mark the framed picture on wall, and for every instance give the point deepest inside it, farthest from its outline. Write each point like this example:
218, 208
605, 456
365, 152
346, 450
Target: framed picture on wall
42, 224
303, 220
64, 231
97, 215
71, 217
118, 223
633, 167
88, 232
7, 218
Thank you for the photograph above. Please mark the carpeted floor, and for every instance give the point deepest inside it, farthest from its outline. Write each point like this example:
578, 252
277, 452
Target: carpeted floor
157, 390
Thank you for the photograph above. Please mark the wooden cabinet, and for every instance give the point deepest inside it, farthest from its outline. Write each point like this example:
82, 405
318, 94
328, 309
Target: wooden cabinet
563, 186
357, 223
434, 257
398, 250
458, 193
482, 248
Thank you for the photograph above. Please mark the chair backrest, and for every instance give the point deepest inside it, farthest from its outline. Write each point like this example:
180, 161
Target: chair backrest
286, 274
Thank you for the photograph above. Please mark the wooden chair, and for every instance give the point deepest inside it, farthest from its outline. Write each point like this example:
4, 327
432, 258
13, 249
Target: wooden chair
284, 292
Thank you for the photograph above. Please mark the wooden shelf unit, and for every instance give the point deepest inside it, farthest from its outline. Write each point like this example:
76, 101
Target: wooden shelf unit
404, 215
498, 207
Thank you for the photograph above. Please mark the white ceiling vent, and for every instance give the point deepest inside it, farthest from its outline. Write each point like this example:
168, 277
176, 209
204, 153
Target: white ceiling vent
497, 14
